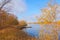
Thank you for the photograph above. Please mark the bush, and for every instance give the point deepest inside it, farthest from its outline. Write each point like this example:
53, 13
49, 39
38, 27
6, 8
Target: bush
7, 19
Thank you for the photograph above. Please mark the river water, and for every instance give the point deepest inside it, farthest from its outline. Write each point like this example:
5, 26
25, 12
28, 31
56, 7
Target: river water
34, 31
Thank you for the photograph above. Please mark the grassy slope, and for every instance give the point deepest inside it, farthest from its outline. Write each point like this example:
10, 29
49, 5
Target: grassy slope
14, 34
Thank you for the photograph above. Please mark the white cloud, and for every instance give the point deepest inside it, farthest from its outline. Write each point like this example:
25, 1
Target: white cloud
19, 6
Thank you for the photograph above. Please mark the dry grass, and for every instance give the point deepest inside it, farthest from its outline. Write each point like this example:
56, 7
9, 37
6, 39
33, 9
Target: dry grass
14, 34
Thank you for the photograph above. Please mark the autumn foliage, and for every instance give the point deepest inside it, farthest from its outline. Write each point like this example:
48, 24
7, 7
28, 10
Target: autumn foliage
11, 28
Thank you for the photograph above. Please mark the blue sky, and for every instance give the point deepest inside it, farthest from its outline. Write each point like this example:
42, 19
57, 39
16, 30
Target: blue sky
28, 9
32, 8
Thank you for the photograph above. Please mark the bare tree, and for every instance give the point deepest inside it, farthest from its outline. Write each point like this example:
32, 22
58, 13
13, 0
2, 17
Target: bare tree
4, 2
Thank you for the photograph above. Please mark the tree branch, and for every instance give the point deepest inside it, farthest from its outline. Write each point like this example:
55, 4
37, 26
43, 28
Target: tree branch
4, 3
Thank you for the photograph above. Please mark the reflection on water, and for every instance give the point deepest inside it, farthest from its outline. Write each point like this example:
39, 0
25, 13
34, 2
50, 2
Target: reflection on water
34, 30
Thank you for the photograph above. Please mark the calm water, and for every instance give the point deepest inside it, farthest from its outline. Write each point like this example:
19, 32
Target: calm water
34, 31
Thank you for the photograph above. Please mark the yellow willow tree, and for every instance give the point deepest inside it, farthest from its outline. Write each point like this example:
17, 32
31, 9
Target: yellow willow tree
49, 22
